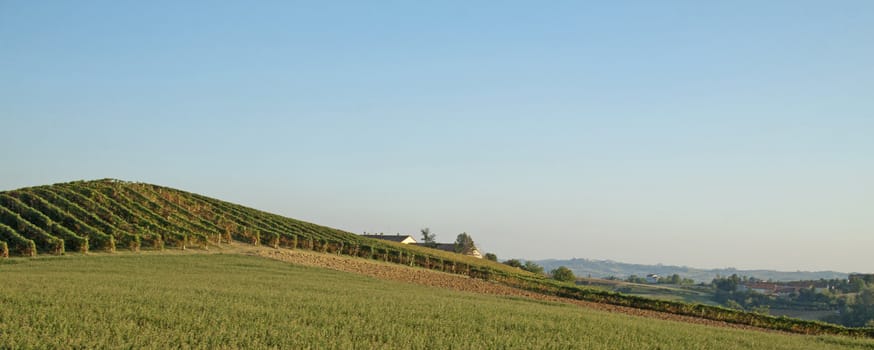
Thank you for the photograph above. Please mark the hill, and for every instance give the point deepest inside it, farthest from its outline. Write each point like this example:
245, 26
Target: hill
607, 268
106, 215
112, 215
211, 300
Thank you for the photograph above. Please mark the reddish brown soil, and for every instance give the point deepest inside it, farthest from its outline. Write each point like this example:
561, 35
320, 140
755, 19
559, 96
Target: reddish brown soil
437, 279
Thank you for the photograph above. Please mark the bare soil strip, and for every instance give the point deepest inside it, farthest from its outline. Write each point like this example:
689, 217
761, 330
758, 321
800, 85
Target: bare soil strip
400, 273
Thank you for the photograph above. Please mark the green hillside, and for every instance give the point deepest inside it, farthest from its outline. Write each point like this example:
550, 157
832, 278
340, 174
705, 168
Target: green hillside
241, 302
111, 215
106, 215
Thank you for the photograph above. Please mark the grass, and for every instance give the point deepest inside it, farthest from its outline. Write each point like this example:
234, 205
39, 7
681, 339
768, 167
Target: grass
154, 217
669, 293
159, 300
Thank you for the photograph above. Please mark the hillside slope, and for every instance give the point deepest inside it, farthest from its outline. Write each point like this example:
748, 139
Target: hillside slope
213, 301
106, 215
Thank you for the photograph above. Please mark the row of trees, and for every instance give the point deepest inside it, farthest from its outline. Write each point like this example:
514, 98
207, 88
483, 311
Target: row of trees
561, 273
528, 265
853, 300
463, 242
858, 311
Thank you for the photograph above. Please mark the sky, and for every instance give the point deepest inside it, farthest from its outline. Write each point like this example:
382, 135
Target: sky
698, 133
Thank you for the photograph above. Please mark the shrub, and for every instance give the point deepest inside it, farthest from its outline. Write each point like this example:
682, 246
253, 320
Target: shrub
530, 266
131, 241
288, 241
514, 263
563, 274
272, 239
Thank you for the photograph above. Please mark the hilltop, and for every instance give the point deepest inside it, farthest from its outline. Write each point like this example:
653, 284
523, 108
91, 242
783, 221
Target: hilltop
607, 268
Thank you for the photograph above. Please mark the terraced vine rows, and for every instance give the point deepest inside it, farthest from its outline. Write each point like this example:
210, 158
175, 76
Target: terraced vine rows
106, 215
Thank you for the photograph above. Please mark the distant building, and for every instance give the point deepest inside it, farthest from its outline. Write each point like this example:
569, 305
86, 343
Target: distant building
407, 239
403, 239
652, 278
786, 291
759, 287
817, 286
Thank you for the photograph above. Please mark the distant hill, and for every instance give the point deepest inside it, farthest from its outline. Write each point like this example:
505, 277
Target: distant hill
606, 268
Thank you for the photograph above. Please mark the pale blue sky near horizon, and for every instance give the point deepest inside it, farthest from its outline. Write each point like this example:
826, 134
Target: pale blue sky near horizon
706, 134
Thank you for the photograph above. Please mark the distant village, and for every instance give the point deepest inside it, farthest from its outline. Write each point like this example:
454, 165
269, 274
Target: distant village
782, 289
785, 289
766, 288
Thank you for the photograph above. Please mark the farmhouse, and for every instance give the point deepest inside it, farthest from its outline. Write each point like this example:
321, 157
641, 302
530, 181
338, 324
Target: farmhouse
652, 278
407, 239
404, 239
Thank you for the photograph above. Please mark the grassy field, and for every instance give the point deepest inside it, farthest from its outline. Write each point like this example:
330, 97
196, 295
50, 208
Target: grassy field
167, 300
112, 215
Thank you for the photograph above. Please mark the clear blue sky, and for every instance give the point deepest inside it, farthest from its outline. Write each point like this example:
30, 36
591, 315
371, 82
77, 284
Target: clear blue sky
701, 133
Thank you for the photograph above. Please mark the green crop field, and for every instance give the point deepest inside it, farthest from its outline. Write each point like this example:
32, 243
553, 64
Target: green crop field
161, 300
111, 215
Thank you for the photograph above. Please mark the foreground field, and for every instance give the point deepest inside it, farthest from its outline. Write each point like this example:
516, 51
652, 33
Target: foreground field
234, 301
109, 215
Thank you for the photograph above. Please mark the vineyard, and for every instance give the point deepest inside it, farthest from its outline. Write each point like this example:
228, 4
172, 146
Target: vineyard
110, 215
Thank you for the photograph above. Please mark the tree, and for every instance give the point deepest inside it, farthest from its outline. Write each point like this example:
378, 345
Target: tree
635, 279
514, 263
491, 257
563, 274
866, 297
861, 310
857, 285
464, 243
428, 237
530, 266
727, 284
